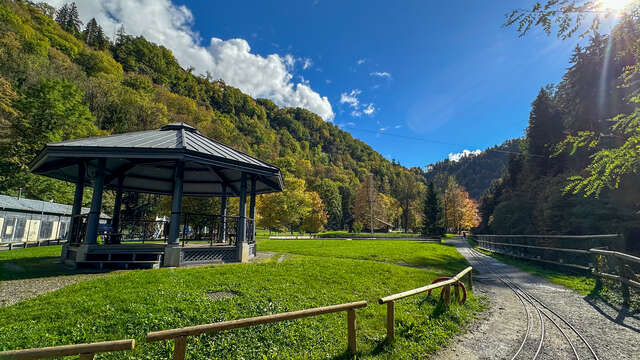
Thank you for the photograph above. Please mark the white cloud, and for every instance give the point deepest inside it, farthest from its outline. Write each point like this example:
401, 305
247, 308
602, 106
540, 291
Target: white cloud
369, 109
382, 74
164, 23
351, 98
397, 126
463, 153
306, 63
382, 129
361, 61
328, 81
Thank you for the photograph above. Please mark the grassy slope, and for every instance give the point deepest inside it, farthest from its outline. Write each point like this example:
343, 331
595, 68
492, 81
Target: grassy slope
128, 304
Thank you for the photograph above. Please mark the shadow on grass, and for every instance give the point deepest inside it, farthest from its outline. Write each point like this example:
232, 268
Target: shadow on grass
623, 312
37, 267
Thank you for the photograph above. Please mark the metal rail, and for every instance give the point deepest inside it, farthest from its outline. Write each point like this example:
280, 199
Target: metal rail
541, 308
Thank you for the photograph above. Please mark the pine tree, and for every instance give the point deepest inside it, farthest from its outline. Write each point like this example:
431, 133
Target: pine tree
94, 36
69, 19
432, 219
544, 131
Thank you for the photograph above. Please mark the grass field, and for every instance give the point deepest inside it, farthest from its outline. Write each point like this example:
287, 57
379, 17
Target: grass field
127, 304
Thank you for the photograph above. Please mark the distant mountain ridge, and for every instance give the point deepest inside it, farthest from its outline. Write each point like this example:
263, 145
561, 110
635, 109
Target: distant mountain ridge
475, 172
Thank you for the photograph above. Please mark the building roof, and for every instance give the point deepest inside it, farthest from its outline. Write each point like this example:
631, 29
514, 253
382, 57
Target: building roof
146, 160
38, 206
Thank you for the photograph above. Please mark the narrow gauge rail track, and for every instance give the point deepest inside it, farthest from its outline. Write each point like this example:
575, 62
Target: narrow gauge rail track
542, 310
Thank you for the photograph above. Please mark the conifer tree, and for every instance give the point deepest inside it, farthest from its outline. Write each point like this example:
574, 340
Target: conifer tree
94, 36
69, 19
432, 219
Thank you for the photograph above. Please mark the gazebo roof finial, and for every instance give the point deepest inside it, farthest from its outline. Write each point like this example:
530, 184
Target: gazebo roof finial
179, 126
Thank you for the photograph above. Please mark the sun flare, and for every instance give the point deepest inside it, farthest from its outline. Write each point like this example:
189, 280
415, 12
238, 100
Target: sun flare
614, 5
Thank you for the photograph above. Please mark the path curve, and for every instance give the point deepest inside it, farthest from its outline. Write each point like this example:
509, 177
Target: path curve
499, 332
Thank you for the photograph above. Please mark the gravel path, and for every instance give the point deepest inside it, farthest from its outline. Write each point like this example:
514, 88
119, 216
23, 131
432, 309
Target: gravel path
14, 291
500, 331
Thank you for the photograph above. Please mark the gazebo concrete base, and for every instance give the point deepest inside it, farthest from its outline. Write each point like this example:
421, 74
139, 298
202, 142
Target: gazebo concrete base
154, 255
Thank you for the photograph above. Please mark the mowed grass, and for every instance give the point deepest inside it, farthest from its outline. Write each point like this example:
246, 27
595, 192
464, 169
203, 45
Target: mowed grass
33, 263
128, 304
440, 258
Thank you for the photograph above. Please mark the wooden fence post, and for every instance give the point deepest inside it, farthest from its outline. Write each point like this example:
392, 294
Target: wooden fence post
351, 329
447, 295
180, 348
390, 321
470, 280
456, 289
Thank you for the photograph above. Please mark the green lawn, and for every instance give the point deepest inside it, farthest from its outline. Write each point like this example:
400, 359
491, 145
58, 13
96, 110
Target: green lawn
33, 263
444, 259
128, 304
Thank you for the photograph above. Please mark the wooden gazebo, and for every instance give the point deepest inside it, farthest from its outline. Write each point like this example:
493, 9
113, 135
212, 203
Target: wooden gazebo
175, 160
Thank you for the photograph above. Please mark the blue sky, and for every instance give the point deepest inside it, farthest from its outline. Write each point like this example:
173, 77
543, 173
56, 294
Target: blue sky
444, 72
456, 75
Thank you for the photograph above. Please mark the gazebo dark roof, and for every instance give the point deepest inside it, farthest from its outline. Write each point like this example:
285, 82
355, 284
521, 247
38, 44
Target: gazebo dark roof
146, 162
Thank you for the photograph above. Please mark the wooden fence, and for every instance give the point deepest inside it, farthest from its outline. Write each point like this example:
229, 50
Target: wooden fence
446, 291
581, 255
86, 351
180, 335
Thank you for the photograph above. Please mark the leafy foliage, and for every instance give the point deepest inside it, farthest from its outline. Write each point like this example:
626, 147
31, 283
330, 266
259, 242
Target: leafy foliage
132, 84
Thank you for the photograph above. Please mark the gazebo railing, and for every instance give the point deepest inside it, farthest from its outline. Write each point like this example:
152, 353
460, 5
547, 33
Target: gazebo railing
214, 229
78, 228
143, 230
251, 239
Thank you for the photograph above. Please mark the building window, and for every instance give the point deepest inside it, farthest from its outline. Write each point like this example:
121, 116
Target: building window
46, 228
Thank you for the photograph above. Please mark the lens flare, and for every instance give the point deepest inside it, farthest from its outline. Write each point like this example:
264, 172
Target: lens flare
614, 5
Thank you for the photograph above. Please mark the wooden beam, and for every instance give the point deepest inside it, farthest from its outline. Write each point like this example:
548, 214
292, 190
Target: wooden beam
241, 323
69, 350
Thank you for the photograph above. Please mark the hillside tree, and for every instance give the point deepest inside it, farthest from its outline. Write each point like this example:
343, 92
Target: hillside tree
432, 213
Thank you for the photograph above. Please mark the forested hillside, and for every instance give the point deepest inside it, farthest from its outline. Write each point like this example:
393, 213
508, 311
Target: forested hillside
475, 172
577, 174
60, 79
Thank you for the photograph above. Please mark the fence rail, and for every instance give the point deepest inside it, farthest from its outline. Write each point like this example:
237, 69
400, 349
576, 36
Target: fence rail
86, 351
180, 335
584, 255
446, 285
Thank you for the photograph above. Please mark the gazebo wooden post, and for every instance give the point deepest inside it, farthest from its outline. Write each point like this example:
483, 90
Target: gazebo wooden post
77, 202
176, 203
252, 208
96, 204
223, 213
242, 217
115, 223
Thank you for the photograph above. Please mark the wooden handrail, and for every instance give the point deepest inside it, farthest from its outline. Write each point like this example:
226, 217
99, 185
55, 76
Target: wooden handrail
446, 292
577, 251
419, 290
86, 351
619, 255
181, 334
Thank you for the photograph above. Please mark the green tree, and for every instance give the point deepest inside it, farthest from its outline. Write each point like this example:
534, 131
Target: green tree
330, 195
315, 220
69, 19
286, 209
544, 131
432, 213
406, 191
94, 36
50, 111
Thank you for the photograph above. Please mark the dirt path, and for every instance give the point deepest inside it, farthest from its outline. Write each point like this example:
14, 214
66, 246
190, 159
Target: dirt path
14, 291
499, 333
